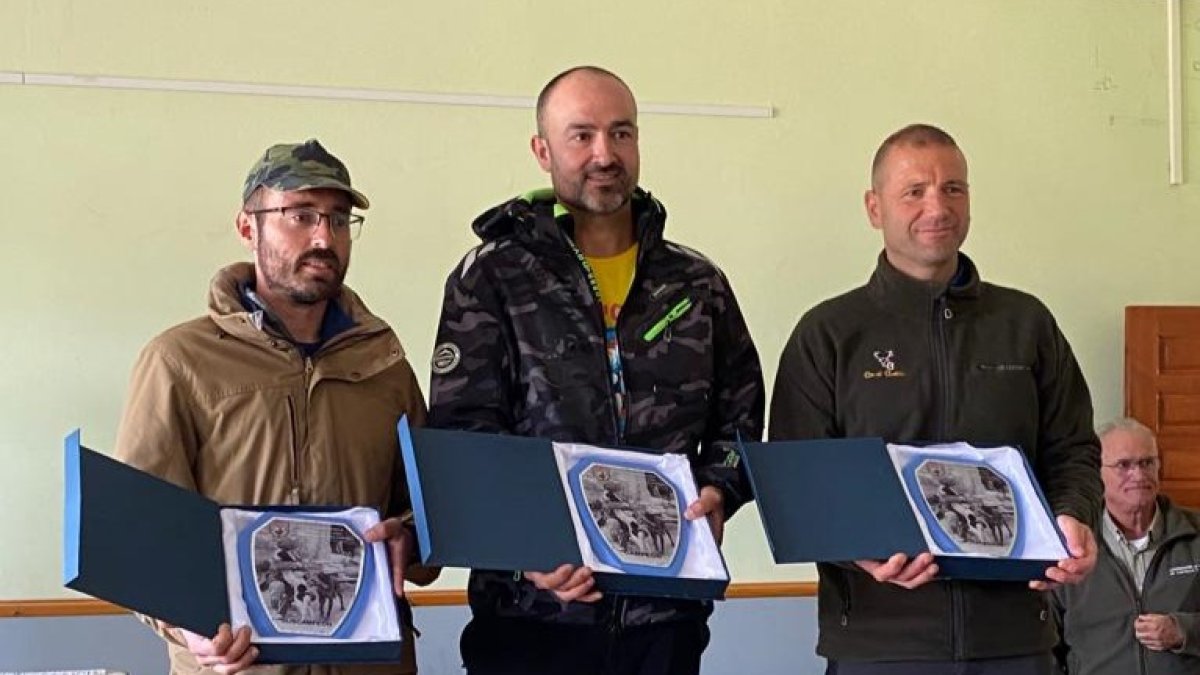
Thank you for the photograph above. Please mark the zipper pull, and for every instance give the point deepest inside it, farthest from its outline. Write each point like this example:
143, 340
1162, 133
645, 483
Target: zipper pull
667, 319
294, 496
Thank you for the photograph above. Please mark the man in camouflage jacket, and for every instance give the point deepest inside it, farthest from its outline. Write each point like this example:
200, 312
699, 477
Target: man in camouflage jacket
522, 349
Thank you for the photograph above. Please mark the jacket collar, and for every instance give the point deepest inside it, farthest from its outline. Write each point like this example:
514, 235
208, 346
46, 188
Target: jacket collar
896, 291
1175, 521
227, 309
538, 218
1170, 522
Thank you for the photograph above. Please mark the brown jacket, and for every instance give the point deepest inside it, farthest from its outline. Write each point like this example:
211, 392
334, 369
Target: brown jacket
235, 412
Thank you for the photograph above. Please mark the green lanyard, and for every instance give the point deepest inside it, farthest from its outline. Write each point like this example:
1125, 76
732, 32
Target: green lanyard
612, 344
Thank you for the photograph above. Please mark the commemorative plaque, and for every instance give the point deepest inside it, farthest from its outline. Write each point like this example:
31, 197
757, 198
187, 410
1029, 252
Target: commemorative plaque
303, 576
978, 510
627, 508
968, 507
619, 512
976, 502
632, 516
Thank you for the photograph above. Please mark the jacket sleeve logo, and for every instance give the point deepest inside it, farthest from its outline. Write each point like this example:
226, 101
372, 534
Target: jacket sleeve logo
446, 358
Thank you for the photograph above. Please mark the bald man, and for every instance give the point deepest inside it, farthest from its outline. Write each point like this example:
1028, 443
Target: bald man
576, 321
928, 352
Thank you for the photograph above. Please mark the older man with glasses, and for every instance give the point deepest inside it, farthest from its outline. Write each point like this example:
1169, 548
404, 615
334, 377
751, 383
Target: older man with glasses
1139, 611
288, 390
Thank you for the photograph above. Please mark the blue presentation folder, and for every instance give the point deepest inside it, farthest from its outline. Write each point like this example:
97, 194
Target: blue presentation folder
836, 500
143, 543
496, 502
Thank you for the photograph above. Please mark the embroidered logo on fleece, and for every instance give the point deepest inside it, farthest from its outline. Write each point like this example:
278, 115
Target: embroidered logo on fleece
887, 360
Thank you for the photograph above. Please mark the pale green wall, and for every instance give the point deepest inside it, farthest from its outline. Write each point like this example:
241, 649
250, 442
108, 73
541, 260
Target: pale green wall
118, 206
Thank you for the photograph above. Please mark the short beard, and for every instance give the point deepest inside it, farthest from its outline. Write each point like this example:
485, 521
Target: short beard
606, 207
319, 292
277, 274
607, 203
301, 296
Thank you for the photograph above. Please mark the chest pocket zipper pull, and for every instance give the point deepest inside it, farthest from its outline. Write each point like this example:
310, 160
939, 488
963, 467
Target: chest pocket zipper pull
664, 323
948, 313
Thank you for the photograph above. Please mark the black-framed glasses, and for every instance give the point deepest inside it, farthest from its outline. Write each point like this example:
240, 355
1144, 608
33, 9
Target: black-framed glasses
306, 219
1127, 465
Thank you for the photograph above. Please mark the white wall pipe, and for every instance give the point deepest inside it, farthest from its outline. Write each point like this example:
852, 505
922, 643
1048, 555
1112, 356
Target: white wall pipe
345, 93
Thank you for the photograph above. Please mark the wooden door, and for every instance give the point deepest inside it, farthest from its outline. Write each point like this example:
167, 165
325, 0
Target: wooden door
1162, 390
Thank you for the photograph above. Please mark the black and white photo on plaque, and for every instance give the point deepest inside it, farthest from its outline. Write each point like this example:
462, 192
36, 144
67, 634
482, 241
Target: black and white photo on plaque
972, 504
307, 573
635, 511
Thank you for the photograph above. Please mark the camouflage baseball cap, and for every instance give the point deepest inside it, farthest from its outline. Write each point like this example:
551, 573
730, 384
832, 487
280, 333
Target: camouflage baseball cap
301, 166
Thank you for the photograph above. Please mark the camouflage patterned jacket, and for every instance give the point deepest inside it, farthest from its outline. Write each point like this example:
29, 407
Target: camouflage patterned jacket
521, 350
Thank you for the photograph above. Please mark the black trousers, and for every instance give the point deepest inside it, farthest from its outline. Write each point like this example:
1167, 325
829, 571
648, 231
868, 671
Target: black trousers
1038, 664
521, 647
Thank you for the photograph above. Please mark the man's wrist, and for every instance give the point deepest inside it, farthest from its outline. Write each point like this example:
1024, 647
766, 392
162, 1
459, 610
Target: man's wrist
722, 507
1181, 643
414, 551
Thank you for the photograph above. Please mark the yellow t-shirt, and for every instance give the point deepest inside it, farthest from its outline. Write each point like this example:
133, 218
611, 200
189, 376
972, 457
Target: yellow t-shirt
614, 276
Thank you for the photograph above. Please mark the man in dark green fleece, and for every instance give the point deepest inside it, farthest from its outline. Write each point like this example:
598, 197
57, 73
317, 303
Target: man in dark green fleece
927, 352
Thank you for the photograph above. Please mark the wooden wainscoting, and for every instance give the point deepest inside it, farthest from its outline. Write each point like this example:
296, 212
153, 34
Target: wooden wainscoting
1162, 390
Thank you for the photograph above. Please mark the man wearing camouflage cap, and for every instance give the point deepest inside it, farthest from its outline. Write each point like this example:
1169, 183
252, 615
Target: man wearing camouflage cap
287, 392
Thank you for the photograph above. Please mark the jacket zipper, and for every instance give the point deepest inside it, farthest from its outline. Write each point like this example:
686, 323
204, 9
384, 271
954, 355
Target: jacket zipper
1143, 667
663, 318
604, 358
1104, 557
294, 495
1140, 595
843, 585
616, 625
956, 619
633, 285
1139, 609
589, 280
941, 315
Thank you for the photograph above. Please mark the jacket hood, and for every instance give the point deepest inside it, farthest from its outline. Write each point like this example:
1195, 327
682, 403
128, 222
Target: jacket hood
537, 215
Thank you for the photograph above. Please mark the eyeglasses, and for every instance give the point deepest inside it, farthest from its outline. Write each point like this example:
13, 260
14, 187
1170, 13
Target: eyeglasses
306, 219
1127, 465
